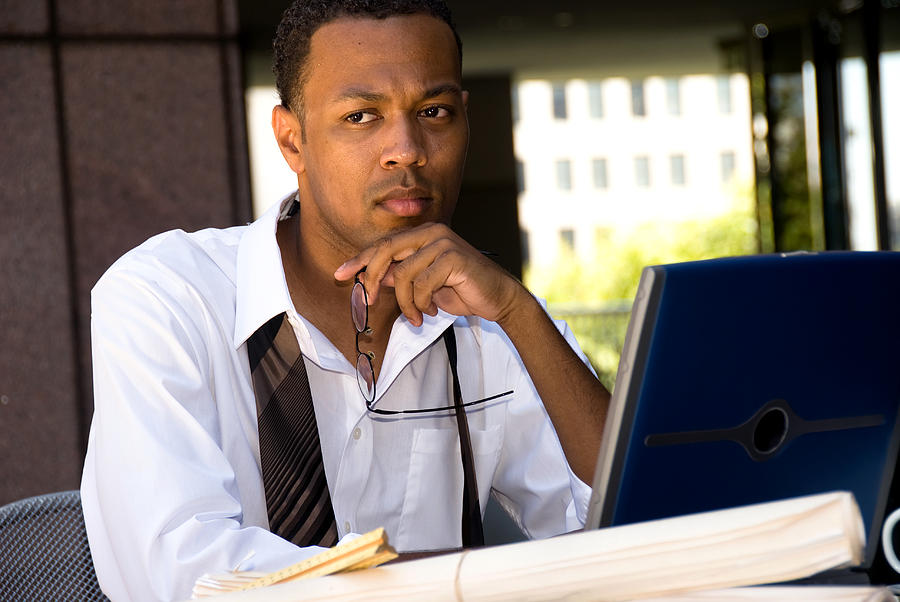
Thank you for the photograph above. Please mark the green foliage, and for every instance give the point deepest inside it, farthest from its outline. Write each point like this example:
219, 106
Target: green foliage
594, 297
793, 222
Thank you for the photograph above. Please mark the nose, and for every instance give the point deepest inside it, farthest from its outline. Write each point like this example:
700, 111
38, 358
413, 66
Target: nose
403, 145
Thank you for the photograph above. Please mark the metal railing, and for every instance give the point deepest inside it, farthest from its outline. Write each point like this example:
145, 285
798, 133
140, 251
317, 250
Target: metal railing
600, 330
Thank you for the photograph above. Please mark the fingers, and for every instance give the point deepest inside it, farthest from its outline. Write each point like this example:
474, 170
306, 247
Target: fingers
430, 268
380, 260
416, 279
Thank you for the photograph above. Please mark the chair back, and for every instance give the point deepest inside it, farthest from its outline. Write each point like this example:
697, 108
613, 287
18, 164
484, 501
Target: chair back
44, 553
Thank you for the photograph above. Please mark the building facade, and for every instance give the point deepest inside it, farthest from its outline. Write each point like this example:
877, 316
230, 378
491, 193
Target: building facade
612, 154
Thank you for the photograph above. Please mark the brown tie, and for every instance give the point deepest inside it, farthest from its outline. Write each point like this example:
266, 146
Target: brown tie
297, 498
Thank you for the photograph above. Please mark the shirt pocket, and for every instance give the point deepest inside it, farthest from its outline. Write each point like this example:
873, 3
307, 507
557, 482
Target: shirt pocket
432, 506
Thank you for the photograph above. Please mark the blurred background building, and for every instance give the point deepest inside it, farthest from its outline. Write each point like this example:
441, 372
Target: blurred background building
606, 136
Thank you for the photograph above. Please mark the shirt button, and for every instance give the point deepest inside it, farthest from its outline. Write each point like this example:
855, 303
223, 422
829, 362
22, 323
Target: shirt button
346, 527
357, 433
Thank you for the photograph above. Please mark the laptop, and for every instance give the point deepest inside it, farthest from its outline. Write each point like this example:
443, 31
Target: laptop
752, 379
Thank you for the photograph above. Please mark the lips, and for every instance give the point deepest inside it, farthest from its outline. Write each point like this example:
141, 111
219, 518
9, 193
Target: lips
406, 202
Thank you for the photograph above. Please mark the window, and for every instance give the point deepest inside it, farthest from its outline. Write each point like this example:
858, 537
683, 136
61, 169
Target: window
676, 167
559, 101
642, 171
726, 161
523, 240
723, 93
567, 237
564, 174
599, 170
520, 176
637, 98
595, 100
673, 96
514, 102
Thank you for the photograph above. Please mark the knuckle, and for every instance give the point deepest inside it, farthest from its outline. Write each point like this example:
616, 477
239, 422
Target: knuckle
385, 243
444, 243
451, 254
438, 231
401, 270
420, 286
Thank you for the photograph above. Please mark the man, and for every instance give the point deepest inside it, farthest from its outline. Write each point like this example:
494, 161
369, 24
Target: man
373, 121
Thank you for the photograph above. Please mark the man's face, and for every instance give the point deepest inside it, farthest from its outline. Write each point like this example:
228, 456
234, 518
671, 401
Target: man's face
385, 128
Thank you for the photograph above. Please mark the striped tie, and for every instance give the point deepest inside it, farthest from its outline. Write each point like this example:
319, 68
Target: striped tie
297, 498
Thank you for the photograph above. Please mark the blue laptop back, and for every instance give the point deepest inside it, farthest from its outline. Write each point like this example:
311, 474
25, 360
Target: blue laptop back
752, 379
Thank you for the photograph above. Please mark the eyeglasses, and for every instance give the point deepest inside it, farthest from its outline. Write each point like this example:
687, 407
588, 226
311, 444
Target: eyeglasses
365, 369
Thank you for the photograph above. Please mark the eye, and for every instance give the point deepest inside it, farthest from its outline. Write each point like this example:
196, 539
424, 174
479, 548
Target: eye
435, 112
360, 117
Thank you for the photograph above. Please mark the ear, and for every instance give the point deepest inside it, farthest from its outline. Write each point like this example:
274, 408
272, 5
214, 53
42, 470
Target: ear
288, 134
465, 99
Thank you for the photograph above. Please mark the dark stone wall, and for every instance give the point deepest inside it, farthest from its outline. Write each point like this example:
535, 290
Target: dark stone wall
119, 120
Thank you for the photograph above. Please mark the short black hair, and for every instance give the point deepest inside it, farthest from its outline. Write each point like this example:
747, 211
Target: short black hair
303, 17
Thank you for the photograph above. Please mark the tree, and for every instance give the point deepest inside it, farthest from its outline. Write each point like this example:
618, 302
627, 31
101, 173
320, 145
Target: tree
595, 296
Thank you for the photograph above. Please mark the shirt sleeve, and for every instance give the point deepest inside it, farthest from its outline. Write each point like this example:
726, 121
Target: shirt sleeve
534, 482
160, 497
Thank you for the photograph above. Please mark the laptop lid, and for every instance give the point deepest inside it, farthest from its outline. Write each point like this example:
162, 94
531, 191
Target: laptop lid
751, 379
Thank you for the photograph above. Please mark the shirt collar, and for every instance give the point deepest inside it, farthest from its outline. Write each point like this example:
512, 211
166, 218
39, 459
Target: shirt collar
407, 342
262, 293
262, 290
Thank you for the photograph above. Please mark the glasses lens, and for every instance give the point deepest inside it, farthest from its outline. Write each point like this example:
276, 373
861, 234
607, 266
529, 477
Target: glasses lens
365, 376
358, 308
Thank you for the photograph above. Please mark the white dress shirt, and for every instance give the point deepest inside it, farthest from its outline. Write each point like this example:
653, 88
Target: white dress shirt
172, 485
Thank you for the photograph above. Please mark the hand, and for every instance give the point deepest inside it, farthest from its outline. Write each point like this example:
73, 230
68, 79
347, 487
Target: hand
431, 267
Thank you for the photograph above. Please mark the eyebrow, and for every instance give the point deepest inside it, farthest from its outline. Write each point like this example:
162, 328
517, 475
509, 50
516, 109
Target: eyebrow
374, 97
447, 88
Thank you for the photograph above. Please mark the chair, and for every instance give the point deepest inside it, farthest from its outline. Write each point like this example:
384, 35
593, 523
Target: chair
44, 553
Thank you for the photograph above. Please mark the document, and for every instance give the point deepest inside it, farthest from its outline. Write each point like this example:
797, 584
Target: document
682, 556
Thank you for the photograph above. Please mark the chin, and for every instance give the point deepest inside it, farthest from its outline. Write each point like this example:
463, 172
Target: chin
397, 223
388, 224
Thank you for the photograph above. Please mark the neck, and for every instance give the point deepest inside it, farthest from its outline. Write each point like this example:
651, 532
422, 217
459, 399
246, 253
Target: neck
318, 297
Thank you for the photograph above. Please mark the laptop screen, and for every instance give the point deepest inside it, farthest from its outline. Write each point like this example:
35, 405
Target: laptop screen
751, 379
